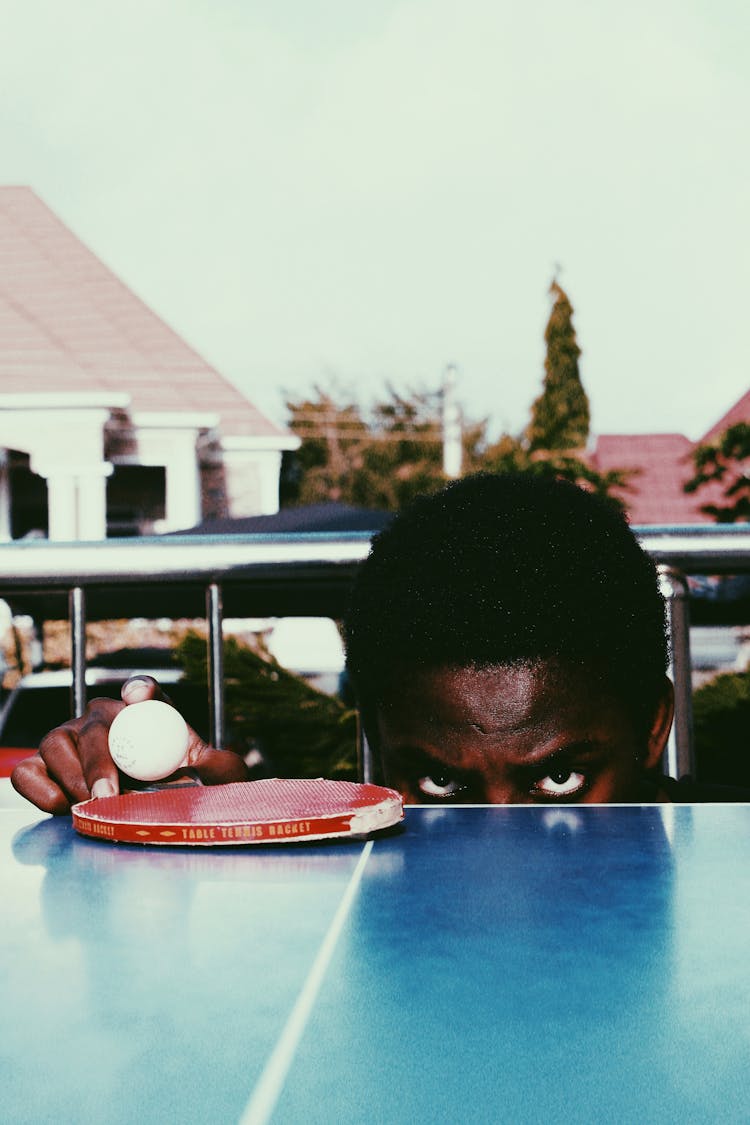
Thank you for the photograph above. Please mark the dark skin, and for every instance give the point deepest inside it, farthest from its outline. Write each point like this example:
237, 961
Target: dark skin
530, 734
73, 762
537, 733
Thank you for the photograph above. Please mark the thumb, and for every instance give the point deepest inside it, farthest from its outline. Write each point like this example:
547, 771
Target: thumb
139, 688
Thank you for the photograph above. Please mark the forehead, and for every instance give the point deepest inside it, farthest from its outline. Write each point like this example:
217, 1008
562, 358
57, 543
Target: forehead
496, 703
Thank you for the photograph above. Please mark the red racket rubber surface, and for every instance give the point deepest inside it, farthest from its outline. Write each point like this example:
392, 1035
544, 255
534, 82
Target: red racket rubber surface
243, 812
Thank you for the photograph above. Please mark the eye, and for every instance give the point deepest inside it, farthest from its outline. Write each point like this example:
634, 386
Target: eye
560, 783
439, 786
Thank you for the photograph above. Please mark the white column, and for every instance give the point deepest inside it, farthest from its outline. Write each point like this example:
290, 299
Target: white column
174, 447
62, 506
92, 502
76, 500
252, 467
64, 437
183, 499
452, 444
269, 469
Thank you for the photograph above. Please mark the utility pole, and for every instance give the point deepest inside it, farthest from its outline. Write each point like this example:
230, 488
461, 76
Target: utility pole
451, 420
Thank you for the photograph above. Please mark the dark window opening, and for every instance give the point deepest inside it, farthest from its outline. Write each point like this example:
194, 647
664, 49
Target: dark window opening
136, 498
28, 498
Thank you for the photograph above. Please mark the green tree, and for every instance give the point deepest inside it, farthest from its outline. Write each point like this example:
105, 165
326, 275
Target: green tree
560, 416
725, 463
376, 458
384, 456
553, 443
333, 434
721, 718
512, 455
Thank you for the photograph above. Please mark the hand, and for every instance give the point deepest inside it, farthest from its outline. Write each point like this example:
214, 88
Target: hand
73, 762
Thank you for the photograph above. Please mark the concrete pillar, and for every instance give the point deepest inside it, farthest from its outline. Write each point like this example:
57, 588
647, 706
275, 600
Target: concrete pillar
64, 437
173, 444
252, 470
77, 500
183, 483
62, 505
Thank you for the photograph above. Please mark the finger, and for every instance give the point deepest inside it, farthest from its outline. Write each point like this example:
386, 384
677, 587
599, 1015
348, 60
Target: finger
73, 762
99, 770
31, 780
59, 752
215, 767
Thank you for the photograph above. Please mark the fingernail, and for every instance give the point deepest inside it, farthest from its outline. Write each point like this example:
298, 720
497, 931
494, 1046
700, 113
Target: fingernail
135, 690
103, 788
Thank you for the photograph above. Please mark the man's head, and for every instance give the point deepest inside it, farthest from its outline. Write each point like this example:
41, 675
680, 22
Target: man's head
509, 624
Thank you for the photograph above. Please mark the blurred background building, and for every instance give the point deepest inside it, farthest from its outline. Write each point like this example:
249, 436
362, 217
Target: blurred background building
110, 423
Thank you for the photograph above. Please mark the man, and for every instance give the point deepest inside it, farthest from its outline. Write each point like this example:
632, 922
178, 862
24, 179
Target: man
506, 642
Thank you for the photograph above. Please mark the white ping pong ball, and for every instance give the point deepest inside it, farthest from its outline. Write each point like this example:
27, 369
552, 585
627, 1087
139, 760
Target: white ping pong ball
148, 740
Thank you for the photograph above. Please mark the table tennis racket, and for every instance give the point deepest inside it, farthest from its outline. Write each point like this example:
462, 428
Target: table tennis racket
271, 811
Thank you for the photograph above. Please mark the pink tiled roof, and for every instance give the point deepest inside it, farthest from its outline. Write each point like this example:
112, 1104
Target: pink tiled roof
740, 412
655, 495
67, 323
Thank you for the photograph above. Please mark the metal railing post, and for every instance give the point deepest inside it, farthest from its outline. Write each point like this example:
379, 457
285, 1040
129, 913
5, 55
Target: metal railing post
679, 755
365, 765
77, 615
214, 611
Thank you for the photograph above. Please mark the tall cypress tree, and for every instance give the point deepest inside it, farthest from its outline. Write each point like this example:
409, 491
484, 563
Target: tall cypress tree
560, 416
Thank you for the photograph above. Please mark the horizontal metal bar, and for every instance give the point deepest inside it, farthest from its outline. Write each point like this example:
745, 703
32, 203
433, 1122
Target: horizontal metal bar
42, 564
708, 549
230, 558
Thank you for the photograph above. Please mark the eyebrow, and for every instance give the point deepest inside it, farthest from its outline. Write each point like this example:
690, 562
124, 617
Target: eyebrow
584, 748
420, 761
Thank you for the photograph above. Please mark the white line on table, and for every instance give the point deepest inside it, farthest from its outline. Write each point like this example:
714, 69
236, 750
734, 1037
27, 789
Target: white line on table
268, 1087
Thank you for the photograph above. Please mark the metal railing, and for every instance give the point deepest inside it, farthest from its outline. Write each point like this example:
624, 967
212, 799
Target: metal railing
191, 576
300, 574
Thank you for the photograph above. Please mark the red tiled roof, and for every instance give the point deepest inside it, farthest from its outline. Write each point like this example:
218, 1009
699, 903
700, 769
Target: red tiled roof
740, 412
67, 323
655, 495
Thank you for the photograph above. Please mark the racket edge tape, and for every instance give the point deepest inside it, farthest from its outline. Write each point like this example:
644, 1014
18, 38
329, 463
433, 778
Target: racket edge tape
271, 811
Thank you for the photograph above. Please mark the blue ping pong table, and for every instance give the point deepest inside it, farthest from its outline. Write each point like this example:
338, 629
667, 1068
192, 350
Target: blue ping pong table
582, 964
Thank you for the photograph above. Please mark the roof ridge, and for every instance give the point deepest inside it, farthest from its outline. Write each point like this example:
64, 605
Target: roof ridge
69, 309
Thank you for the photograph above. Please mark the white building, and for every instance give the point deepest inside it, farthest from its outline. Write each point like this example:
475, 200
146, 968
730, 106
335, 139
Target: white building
110, 424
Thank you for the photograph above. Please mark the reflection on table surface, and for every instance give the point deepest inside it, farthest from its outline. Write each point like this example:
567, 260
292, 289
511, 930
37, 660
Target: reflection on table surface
495, 964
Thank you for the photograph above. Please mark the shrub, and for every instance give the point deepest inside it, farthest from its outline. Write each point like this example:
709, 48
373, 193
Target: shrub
296, 730
721, 723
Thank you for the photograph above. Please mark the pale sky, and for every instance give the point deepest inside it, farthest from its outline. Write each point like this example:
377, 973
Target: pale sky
372, 190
